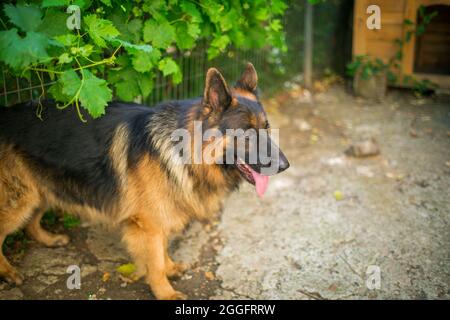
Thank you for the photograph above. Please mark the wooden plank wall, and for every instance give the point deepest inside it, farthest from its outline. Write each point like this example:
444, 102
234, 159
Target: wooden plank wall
378, 43
381, 43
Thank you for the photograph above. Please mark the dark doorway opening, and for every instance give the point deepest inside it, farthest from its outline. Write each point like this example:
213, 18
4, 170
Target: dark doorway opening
432, 51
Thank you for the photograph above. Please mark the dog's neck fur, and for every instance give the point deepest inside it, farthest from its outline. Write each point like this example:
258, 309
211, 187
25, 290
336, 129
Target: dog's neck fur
193, 180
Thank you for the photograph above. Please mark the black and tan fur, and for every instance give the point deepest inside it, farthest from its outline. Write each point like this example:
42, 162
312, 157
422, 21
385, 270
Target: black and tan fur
119, 170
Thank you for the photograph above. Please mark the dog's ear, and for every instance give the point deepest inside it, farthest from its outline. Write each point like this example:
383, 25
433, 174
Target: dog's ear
249, 79
217, 95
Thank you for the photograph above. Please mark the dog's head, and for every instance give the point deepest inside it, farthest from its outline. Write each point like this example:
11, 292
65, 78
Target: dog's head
239, 116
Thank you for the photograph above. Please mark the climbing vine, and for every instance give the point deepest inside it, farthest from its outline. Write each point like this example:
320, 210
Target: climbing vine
121, 45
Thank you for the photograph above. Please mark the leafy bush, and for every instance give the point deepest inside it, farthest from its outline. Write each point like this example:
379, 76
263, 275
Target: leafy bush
367, 66
122, 44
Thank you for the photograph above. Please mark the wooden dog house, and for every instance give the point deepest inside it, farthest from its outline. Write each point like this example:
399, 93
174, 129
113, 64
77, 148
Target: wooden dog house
424, 57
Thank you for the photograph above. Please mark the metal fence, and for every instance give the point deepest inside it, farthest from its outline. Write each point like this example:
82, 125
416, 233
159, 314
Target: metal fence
193, 66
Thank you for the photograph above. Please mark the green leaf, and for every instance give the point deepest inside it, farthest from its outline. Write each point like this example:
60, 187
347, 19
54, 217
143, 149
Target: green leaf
146, 84
20, 52
70, 83
161, 35
184, 39
144, 61
275, 25
94, 95
127, 269
66, 39
26, 17
221, 42
228, 20
194, 30
126, 82
86, 50
129, 30
169, 67
54, 23
100, 29
106, 2
262, 14
55, 3
56, 91
213, 9
192, 11
127, 90
64, 58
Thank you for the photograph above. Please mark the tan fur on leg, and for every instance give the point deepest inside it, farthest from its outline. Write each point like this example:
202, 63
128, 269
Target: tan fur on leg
173, 269
145, 242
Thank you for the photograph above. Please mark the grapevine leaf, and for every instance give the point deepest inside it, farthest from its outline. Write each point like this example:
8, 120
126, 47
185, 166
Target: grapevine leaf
64, 58
86, 50
184, 39
20, 52
100, 29
94, 95
262, 14
66, 40
26, 17
192, 11
126, 83
221, 42
54, 23
146, 84
70, 83
169, 67
161, 35
129, 30
127, 90
56, 92
194, 30
227, 20
144, 61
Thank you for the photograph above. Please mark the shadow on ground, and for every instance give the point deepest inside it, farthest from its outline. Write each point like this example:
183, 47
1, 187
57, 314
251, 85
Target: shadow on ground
320, 227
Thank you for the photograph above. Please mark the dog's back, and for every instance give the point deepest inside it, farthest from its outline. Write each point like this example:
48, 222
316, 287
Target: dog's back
72, 157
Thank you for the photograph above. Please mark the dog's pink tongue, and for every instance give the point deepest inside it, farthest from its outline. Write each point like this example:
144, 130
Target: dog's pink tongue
261, 182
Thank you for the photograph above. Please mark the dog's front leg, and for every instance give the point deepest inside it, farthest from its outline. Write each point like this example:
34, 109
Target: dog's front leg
146, 244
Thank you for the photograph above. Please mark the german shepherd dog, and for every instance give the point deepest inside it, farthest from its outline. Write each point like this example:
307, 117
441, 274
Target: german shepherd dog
119, 170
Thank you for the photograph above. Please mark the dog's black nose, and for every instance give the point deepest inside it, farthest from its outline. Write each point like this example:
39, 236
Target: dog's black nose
283, 163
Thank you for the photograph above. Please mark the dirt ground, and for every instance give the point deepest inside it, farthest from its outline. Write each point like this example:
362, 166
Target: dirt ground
320, 226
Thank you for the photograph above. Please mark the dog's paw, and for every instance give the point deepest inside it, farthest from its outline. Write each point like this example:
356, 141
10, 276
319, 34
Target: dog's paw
177, 270
13, 277
58, 240
176, 295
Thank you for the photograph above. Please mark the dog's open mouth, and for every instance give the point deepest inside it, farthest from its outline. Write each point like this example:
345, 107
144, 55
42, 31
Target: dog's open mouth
260, 181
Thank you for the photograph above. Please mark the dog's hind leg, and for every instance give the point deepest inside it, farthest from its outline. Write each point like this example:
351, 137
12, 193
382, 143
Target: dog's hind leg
35, 230
12, 217
146, 244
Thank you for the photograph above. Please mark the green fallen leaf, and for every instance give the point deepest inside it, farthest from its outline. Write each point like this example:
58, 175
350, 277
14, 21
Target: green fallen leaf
338, 195
126, 269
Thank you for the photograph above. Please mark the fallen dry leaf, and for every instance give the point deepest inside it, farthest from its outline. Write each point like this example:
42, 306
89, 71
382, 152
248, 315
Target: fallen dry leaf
106, 276
209, 275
